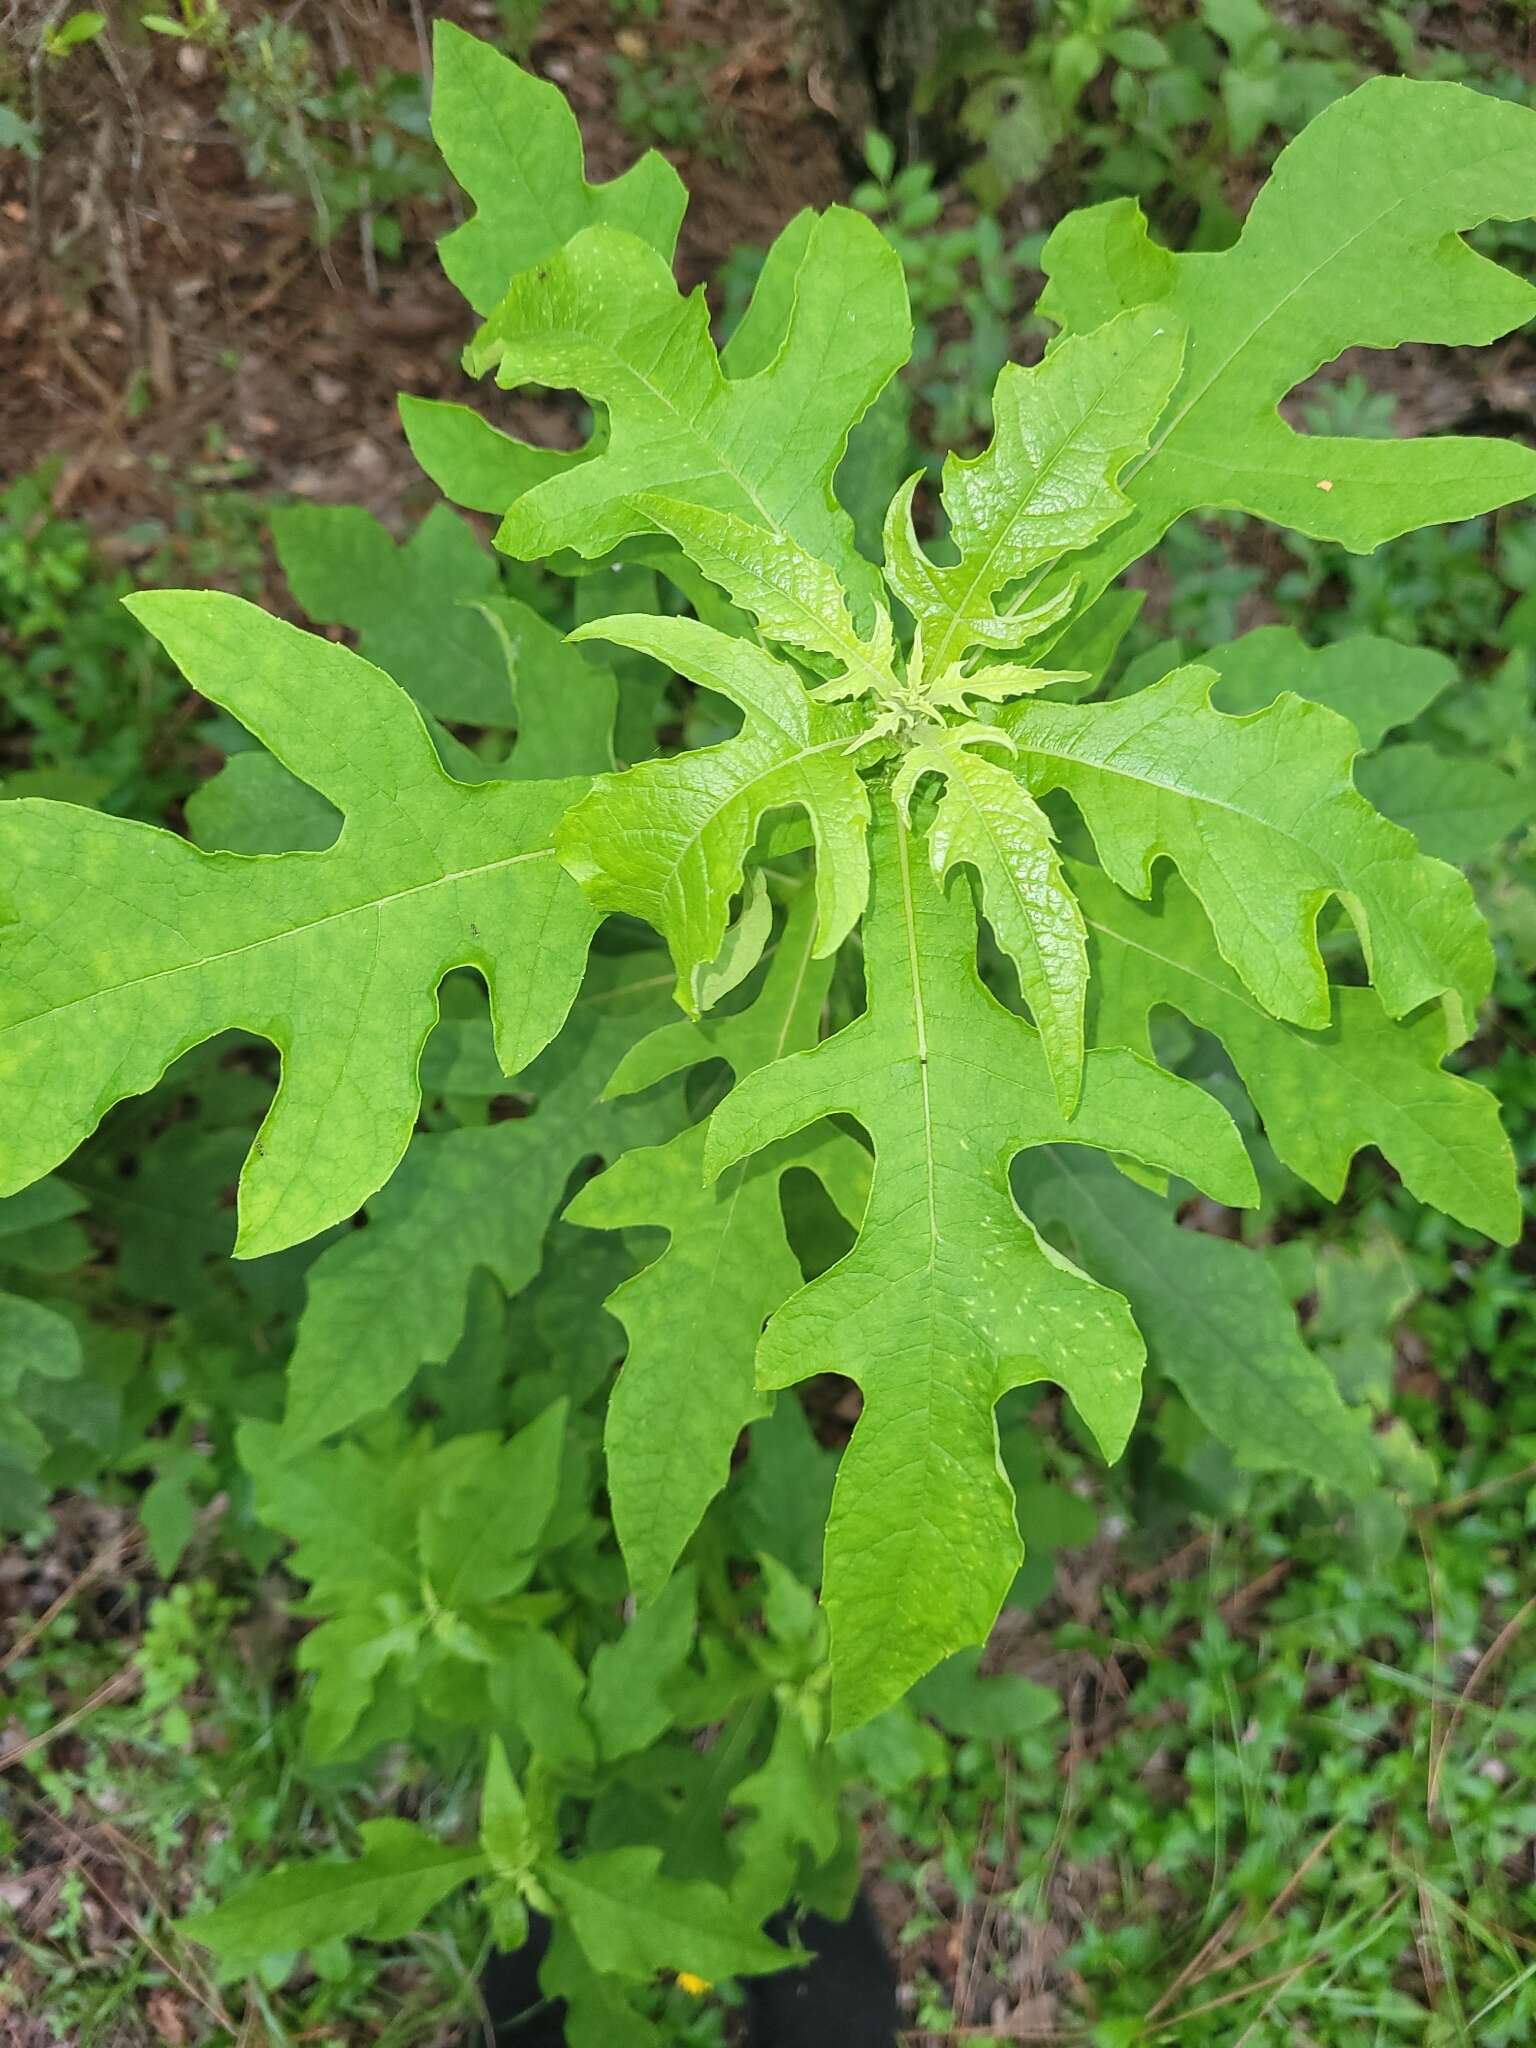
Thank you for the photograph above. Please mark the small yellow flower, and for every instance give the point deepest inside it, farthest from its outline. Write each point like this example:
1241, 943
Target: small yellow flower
694, 1986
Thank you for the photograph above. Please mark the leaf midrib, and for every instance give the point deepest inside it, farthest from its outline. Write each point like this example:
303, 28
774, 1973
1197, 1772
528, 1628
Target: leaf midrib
1240, 347
209, 960
942, 653
920, 1022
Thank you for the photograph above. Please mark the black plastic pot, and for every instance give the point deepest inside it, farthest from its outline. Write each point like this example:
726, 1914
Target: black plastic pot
844, 1998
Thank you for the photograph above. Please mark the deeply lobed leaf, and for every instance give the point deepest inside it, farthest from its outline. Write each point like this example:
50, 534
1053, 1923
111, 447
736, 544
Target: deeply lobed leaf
1355, 241
134, 946
949, 1297
604, 316
1262, 819
671, 1429
1046, 487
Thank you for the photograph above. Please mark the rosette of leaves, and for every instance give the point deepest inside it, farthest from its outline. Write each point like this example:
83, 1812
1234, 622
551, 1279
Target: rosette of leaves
1019, 869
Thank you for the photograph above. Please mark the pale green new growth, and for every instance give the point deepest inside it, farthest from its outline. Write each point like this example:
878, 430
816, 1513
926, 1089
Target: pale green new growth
988, 820
1264, 823
667, 841
605, 315
1046, 486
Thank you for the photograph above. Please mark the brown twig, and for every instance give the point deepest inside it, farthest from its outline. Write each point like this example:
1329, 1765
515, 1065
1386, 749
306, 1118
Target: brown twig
1436, 1510
120, 1682
123, 1542
1484, 1665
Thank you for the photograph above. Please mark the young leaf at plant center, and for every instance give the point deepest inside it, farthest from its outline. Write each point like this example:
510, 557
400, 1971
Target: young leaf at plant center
795, 599
948, 1298
508, 1833
671, 1428
605, 316
386, 1300
987, 820
667, 841
1046, 487
1262, 819
1354, 241
512, 142
1216, 1320
383, 1894
128, 946
1362, 1080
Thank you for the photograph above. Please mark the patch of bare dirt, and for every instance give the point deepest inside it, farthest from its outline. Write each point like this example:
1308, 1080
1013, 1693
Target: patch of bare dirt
165, 315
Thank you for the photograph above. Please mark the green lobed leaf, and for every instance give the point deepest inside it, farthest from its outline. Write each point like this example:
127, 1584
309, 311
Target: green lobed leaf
949, 1297
128, 945
35, 1338
1001, 1708
537, 1684
795, 598
253, 805
473, 463
987, 820
671, 1428
1459, 809
478, 1543
795, 1825
627, 1703
1354, 242
1047, 485
1361, 1080
566, 699
414, 607
667, 841
605, 317
598, 2013
1262, 819
512, 142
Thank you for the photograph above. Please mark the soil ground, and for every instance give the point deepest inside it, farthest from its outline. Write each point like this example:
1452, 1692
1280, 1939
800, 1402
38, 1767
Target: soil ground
165, 316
